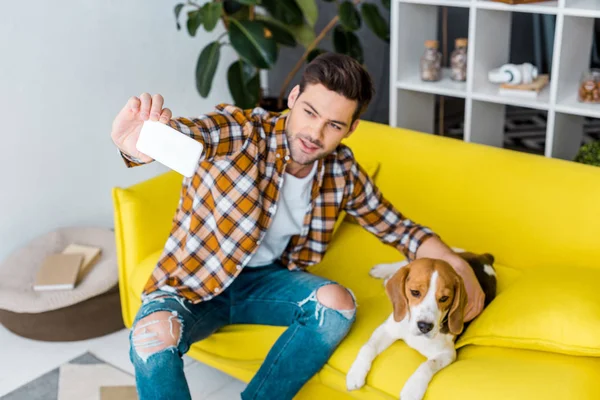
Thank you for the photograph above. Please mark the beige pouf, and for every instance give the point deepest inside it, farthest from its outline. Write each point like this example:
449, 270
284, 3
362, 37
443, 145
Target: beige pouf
90, 310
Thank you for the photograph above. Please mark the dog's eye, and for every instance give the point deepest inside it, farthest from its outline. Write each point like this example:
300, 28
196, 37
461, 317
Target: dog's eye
443, 299
415, 293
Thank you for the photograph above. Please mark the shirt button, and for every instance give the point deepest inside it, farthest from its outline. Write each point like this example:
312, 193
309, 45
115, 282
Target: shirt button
277, 155
217, 290
287, 158
258, 241
238, 267
272, 209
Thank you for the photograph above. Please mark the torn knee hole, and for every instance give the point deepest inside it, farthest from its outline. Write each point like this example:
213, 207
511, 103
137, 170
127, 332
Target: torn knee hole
158, 331
336, 297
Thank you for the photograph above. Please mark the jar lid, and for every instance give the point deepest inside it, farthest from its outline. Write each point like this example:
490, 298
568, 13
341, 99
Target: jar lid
461, 42
431, 44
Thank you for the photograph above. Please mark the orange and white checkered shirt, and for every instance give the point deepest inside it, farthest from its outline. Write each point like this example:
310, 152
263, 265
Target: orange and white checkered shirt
227, 206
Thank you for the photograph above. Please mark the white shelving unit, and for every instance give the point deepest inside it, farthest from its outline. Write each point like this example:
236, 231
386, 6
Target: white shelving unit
412, 101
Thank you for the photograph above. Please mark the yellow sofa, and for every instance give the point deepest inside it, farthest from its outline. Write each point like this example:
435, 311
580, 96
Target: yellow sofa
539, 217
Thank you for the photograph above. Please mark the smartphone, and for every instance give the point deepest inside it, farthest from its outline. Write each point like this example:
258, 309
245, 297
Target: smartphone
170, 147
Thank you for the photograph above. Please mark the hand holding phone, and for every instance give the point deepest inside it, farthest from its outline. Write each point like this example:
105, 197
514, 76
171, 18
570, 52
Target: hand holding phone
127, 125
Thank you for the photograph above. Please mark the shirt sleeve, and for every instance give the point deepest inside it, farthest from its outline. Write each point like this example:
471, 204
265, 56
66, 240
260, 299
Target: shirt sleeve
378, 216
222, 132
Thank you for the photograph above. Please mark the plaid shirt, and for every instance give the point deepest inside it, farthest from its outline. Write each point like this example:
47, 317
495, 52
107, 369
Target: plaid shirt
227, 206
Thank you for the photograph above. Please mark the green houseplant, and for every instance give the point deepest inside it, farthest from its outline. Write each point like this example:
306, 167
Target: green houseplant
256, 29
589, 154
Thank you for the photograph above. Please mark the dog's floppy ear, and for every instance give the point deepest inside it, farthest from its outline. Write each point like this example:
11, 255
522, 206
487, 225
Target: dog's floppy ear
395, 288
487, 258
457, 310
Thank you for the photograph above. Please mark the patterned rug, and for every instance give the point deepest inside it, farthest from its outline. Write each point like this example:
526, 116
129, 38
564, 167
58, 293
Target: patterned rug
524, 129
83, 378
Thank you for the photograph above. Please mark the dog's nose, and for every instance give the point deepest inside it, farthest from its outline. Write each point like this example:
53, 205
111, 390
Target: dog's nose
425, 326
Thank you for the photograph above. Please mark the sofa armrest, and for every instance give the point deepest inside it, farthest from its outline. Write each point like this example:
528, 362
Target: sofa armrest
143, 216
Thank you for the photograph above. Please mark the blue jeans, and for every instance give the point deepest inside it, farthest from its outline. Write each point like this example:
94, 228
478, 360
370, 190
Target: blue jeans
269, 295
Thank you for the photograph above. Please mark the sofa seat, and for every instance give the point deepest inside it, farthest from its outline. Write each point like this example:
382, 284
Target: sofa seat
501, 372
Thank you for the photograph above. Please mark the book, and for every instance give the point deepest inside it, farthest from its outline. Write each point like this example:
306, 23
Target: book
118, 393
91, 255
58, 272
530, 91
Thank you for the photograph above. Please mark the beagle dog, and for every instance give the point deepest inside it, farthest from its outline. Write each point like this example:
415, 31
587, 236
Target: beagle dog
429, 300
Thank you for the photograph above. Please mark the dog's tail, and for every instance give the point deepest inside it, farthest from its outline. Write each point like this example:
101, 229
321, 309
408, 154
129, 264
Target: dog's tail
384, 271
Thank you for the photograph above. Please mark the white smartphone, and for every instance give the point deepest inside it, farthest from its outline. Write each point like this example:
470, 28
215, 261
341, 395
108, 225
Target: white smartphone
170, 147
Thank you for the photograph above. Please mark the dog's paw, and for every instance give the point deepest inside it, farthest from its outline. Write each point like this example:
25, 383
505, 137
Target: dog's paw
413, 389
356, 376
383, 271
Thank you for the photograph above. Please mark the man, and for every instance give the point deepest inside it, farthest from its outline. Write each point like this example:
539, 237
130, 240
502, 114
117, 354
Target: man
259, 210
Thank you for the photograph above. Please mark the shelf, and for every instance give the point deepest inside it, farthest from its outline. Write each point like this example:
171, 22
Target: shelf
583, 8
570, 105
490, 94
548, 7
445, 87
446, 3
491, 37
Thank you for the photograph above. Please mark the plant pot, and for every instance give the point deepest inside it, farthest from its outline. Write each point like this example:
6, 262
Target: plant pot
270, 104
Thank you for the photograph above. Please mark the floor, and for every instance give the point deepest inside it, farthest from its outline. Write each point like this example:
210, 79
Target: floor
28, 359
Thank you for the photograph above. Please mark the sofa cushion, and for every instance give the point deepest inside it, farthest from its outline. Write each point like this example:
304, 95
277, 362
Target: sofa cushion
551, 310
490, 373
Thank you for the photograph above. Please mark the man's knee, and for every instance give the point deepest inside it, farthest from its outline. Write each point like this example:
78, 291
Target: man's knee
156, 332
336, 297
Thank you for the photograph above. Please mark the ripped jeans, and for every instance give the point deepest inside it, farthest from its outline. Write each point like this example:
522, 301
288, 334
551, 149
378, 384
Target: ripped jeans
269, 295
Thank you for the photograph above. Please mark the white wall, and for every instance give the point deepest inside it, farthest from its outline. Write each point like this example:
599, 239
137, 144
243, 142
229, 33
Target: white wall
66, 68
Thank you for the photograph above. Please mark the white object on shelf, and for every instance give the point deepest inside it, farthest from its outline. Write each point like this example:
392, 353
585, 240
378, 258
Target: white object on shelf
514, 74
412, 101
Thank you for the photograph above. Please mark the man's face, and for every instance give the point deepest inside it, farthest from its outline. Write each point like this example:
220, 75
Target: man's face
318, 120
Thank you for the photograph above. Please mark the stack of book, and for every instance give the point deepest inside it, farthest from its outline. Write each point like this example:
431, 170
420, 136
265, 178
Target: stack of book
63, 271
530, 91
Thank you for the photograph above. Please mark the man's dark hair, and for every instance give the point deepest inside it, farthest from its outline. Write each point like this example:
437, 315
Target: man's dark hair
343, 75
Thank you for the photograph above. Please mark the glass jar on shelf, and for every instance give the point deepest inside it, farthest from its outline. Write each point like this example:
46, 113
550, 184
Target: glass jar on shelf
431, 62
589, 87
458, 60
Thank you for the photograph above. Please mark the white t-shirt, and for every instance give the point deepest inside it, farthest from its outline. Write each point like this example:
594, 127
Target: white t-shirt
288, 219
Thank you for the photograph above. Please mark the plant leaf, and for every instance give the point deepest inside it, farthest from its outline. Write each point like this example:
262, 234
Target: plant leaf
178, 8
248, 2
310, 11
349, 16
280, 32
375, 21
304, 34
286, 11
314, 53
206, 67
386, 4
244, 84
212, 13
248, 39
194, 21
346, 42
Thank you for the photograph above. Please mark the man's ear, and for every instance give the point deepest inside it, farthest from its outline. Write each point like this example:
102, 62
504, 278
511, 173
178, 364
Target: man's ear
352, 128
293, 96
395, 288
